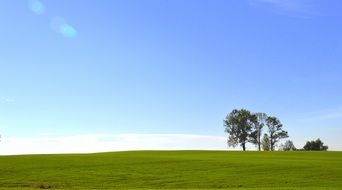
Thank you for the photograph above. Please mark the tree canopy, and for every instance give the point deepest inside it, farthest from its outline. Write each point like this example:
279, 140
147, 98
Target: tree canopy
315, 145
259, 122
238, 124
275, 131
244, 126
288, 146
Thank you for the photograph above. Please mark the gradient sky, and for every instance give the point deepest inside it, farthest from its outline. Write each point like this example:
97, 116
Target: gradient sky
70, 68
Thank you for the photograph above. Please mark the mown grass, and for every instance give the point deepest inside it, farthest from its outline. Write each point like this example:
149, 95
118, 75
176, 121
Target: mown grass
174, 170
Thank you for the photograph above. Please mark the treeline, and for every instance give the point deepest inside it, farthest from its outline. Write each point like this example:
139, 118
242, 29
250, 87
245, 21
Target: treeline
315, 145
244, 126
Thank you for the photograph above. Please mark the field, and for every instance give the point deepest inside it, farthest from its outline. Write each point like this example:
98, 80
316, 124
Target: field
174, 170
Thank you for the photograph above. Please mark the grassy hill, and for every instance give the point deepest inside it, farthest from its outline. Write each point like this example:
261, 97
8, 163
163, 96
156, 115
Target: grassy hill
174, 170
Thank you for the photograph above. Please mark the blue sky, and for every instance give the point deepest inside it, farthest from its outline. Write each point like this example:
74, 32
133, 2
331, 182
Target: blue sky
70, 68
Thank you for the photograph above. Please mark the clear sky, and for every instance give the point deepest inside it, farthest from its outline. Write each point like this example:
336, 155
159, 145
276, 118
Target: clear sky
166, 69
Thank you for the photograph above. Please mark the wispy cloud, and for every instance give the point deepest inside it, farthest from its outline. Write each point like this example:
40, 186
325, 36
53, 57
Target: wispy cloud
104, 142
37, 7
296, 8
6, 100
327, 114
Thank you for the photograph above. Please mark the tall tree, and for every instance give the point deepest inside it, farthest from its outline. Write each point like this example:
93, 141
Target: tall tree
238, 125
265, 143
259, 121
275, 131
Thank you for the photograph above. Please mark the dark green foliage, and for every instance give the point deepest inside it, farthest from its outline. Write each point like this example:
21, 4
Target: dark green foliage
317, 145
275, 131
259, 121
244, 126
238, 124
265, 143
288, 146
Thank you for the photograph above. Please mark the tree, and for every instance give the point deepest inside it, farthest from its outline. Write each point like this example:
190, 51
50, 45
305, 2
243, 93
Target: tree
238, 125
259, 120
288, 146
265, 143
275, 131
315, 145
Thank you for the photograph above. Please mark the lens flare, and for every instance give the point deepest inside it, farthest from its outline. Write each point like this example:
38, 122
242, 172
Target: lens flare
68, 31
37, 7
60, 26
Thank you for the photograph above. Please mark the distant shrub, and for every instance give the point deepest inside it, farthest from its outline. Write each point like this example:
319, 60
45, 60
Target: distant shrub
317, 145
288, 146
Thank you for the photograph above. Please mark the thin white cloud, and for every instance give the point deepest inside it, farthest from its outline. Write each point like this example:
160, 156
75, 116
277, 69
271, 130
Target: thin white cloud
296, 8
104, 142
91, 143
6, 100
2, 128
323, 115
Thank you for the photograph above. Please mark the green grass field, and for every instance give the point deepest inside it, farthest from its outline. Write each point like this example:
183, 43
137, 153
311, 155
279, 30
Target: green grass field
174, 170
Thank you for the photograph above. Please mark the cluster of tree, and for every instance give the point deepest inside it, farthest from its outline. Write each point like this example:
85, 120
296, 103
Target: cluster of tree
315, 145
245, 127
288, 146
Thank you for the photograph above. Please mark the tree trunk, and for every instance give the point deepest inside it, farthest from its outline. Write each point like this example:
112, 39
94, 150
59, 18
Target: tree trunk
244, 146
259, 143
